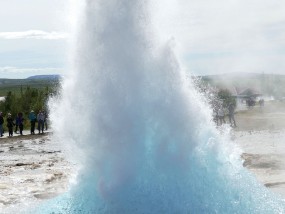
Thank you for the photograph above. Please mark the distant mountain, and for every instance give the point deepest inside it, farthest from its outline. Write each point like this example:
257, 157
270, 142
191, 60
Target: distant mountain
45, 77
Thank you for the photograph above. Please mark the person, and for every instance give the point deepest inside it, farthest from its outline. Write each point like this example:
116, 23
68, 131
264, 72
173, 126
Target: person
45, 120
221, 115
10, 124
261, 103
41, 118
215, 116
21, 122
232, 115
1, 124
17, 124
32, 118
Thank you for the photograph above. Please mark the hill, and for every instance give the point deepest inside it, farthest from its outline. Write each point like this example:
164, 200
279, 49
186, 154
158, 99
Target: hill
45, 77
15, 85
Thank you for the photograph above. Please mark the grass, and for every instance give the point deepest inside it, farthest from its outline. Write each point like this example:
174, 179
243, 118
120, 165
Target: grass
15, 85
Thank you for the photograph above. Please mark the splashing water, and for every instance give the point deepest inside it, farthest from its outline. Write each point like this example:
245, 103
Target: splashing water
147, 141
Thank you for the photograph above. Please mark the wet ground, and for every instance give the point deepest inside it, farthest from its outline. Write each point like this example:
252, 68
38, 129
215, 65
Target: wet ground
32, 168
261, 136
264, 156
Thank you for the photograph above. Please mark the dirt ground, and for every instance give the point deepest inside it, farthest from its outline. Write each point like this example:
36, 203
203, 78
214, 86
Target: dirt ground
269, 117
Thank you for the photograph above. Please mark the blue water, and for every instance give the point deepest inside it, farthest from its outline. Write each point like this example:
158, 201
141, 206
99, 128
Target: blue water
143, 136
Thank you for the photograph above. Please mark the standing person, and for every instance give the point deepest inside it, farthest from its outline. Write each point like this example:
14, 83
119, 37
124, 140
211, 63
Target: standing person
259, 102
262, 103
17, 123
32, 118
41, 118
215, 116
232, 115
221, 115
21, 122
45, 120
1, 124
10, 124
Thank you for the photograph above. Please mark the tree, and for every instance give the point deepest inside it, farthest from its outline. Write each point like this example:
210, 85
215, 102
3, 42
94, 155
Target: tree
28, 99
227, 98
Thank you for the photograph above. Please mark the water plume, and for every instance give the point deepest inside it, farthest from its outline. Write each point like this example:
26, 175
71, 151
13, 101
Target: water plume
146, 141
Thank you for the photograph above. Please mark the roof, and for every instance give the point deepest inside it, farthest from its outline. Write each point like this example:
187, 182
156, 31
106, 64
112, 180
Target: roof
249, 92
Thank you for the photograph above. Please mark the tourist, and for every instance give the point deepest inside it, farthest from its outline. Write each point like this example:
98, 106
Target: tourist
41, 119
32, 118
221, 115
45, 120
10, 124
232, 115
1, 124
21, 122
215, 116
17, 123
261, 103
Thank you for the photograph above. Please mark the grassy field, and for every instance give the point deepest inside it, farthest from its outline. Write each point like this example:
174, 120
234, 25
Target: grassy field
15, 85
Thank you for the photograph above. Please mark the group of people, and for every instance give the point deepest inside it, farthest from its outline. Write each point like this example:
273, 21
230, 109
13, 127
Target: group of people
219, 115
251, 102
18, 123
41, 118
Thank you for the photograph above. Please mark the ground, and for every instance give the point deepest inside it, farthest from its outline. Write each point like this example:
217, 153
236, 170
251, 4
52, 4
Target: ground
32, 167
260, 134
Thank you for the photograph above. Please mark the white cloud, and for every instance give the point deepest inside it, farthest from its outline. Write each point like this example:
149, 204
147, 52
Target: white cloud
19, 15
33, 34
24, 72
15, 70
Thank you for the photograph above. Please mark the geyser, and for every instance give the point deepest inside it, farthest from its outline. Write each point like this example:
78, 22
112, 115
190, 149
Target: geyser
145, 139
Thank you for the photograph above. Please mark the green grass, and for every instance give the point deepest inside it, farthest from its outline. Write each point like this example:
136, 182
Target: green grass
15, 85
17, 89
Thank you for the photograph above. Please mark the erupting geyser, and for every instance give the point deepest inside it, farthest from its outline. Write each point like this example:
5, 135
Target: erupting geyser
147, 141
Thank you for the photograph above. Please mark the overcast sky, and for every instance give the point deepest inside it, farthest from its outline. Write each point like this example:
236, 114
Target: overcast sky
32, 37
211, 36
227, 35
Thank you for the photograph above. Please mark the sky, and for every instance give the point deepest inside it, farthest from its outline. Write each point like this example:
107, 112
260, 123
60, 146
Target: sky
32, 37
211, 37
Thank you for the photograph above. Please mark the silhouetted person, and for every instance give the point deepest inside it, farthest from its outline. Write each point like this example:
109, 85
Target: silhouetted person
221, 115
232, 115
17, 123
250, 103
261, 102
41, 119
10, 124
215, 116
45, 120
1, 124
32, 118
21, 123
